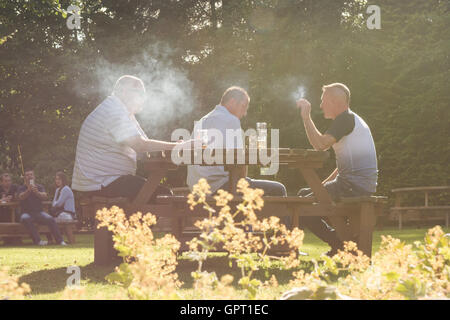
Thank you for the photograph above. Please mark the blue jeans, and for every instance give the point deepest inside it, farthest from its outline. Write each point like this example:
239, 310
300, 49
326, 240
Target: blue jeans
28, 220
337, 188
271, 188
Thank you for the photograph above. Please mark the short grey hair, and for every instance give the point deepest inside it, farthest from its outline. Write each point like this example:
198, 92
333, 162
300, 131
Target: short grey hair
339, 88
236, 93
127, 82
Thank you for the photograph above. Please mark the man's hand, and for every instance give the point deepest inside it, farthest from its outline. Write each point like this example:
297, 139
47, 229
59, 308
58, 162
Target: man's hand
305, 108
188, 144
34, 189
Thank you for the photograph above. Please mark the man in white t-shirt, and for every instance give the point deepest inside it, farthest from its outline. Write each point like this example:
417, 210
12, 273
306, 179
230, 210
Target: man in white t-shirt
109, 139
356, 172
227, 116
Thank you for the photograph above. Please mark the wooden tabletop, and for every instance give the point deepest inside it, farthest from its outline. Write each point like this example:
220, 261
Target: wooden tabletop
9, 204
283, 156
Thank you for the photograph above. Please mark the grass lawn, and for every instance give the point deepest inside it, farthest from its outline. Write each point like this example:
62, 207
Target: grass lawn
44, 268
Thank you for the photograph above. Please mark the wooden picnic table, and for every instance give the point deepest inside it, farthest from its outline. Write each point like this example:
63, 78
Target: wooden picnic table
10, 206
307, 161
399, 209
353, 219
15, 229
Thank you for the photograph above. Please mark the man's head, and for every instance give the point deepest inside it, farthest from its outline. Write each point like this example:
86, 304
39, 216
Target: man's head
60, 179
236, 100
335, 100
131, 91
29, 175
6, 180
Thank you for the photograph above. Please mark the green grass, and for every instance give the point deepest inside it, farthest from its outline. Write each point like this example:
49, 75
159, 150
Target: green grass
44, 268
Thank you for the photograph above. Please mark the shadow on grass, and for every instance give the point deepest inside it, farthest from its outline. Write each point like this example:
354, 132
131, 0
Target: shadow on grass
54, 280
220, 264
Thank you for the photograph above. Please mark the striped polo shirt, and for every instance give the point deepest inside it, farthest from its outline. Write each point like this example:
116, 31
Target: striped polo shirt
101, 155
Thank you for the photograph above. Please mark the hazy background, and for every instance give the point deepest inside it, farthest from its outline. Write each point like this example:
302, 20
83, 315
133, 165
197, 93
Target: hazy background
189, 52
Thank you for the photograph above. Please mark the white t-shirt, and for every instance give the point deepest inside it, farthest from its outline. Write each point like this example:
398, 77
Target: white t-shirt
220, 119
101, 155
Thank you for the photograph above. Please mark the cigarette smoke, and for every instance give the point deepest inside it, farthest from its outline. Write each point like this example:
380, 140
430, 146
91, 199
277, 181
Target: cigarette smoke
299, 93
169, 92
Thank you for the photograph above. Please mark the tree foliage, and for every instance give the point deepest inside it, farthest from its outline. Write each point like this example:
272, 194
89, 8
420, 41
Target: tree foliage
398, 75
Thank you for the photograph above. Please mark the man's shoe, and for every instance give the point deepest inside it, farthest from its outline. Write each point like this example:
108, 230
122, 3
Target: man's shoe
42, 243
63, 243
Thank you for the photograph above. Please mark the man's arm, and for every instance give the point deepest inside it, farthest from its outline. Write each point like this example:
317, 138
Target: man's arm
318, 141
23, 195
41, 194
140, 144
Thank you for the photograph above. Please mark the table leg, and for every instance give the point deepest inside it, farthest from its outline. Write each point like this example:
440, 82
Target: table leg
367, 226
150, 186
236, 173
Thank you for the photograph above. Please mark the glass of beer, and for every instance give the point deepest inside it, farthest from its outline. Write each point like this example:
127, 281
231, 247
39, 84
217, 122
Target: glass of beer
203, 136
261, 129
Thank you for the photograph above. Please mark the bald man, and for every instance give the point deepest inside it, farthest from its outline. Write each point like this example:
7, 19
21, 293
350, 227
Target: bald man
356, 170
109, 139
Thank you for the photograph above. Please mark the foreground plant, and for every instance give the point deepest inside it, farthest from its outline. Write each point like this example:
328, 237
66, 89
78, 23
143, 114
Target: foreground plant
247, 239
10, 287
148, 270
396, 271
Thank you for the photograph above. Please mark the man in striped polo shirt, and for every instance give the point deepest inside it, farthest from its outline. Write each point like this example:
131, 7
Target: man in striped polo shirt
356, 172
110, 136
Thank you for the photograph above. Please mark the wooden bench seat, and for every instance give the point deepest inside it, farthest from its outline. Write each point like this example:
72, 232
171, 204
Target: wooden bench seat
66, 228
360, 212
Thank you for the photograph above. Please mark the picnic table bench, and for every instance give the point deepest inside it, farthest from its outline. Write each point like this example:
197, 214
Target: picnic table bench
399, 209
16, 229
353, 218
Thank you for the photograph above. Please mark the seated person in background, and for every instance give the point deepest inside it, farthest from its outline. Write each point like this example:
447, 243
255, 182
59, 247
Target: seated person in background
356, 173
31, 196
7, 193
63, 205
227, 115
110, 136
7, 188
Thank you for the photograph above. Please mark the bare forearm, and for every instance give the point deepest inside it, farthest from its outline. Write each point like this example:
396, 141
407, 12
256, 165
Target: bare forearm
23, 195
140, 144
42, 195
314, 136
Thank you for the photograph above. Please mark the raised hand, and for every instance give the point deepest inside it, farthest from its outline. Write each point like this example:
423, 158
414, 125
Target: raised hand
305, 107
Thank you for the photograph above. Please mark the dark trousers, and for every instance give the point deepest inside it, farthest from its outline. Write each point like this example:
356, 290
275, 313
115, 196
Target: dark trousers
128, 187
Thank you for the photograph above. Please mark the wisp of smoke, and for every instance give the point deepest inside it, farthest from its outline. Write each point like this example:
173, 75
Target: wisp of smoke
169, 92
299, 93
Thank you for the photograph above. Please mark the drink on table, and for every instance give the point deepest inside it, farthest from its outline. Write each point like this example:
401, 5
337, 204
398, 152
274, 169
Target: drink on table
261, 128
203, 136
